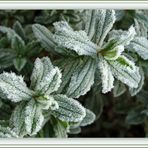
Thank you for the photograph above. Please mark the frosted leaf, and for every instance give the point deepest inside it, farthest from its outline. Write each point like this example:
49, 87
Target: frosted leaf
44, 36
134, 91
17, 120
88, 119
33, 117
69, 110
13, 87
78, 41
104, 23
140, 46
82, 78
122, 37
45, 78
106, 75
141, 28
125, 71
7, 132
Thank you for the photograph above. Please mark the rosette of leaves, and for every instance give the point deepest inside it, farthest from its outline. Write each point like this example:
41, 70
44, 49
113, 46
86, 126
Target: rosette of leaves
38, 103
88, 50
16, 48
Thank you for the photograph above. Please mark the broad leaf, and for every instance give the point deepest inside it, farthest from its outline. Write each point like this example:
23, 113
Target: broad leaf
6, 58
104, 23
45, 78
19, 63
122, 37
13, 87
134, 91
44, 36
140, 46
69, 110
17, 120
125, 71
76, 41
77, 76
88, 119
33, 117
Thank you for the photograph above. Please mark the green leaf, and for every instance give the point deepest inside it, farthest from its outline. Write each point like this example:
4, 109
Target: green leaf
44, 36
17, 44
45, 78
10, 32
69, 110
140, 46
75, 130
135, 116
33, 117
125, 71
19, 63
110, 53
88, 119
119, 89
13, 87
60, 130
19, 30
76, 41
106, 75
6, 58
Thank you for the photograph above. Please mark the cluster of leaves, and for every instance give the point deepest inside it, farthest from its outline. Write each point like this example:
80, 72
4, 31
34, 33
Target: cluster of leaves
84, 62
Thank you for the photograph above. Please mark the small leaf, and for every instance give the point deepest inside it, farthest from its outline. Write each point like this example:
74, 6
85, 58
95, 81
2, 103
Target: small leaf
134, 91
119, 89
60, 130
88, 119
6, 58
106, 75
77, 41
19, 30
10, 32
69, 110
44, 36
122, 37
17, 44
45, 78
13, 87
140, 46
135, 117
125, 71
19, 63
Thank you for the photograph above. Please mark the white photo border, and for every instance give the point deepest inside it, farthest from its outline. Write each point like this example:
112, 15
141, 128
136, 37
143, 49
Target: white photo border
74, 142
